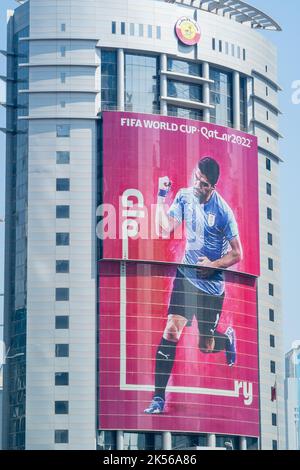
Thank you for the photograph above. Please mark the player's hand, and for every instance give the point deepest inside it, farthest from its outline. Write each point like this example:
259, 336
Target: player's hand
204, 263
164, 183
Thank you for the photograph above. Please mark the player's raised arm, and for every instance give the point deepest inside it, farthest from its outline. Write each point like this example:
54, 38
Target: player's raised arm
165, 223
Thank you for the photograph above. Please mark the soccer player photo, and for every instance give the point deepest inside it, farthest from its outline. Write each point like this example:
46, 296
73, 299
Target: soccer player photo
180, 260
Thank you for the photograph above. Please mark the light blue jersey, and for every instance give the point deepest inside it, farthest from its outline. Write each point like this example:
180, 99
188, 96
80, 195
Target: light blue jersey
209, 229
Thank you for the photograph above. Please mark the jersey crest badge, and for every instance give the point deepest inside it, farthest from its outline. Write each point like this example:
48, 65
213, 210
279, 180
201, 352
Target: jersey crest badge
211, 218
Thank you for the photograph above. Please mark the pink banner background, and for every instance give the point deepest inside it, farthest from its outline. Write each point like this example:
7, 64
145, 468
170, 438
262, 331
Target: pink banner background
148, 291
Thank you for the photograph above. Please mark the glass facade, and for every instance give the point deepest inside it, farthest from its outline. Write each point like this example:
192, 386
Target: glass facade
184, 67
185, 91
185, 113
142, 441
187, 441
108, 80
221, 97
141, 84
17, 195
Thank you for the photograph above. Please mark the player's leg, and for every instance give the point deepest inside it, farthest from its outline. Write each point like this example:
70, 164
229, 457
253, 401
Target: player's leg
166, 350
165, 356
212, 340
209, 312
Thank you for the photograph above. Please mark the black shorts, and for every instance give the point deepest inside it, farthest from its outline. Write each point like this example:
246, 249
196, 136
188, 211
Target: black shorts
189, 301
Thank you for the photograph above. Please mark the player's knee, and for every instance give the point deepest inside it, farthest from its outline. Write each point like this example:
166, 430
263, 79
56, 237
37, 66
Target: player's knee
206, 345
172, 333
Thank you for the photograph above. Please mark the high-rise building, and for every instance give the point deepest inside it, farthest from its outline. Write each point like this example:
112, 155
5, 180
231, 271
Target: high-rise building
67, 62
292, 396
1, 396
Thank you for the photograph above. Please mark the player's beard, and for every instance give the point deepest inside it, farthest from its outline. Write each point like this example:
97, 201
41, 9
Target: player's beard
199, 196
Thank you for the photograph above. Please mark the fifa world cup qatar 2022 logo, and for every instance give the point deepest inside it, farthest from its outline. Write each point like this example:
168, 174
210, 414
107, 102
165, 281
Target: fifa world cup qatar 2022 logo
188, 31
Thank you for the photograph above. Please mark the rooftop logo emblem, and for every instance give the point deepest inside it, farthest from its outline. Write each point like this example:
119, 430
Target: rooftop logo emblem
188, 31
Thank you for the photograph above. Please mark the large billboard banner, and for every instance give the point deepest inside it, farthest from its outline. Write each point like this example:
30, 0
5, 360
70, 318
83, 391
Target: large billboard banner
177, 288
142, 153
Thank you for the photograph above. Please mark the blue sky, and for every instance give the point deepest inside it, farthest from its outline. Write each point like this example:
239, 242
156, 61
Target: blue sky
287, 14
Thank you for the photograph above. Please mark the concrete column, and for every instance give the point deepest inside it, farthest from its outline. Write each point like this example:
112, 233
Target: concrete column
167, 440
206, 92
236, 101
243, 443
120, 440
163, 84
212, 441
121, 80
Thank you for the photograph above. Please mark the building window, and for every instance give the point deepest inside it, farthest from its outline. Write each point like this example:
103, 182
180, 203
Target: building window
61, 436
273, 367
158, 32
63, 130
185, 113
123, 30
61, 350
221, 97
270, 264
269, 189
214, 44
269, 213
185, 67
270, 239
271, 290
62, 266
267, 91
268, 140
63, 51
272, 341
238, 52
131, 29
141, 30
62, 158
274, 419
185, 91
150, 32
274, 445
268, 164
226, 48
62, 212
63, 27
62, 239
62, 294
232, 50
266, 69
220, 46
113, 27
62, 184
61, 322
267, 115
63, 76
244, 54
61, 407
142, 441
109, 80
141, 83
62, 104
61, 379
271, 314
